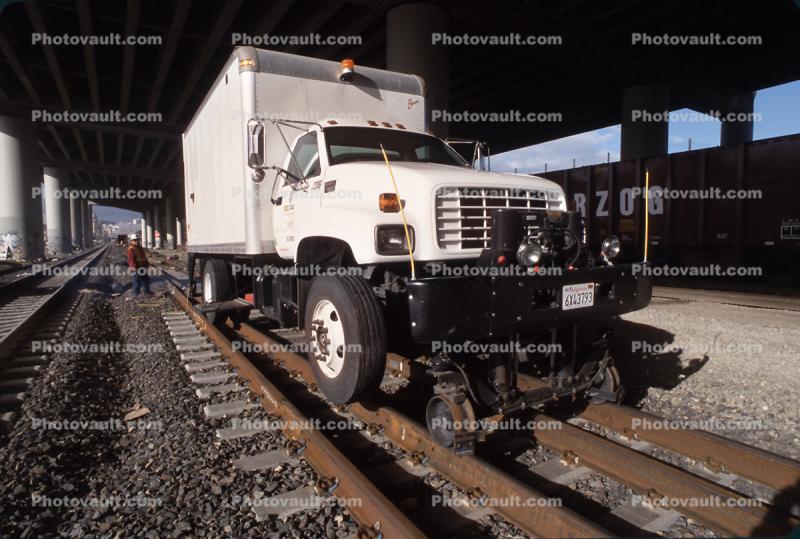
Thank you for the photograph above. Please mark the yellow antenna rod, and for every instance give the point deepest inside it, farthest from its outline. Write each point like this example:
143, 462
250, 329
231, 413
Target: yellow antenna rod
646, 211
402, 214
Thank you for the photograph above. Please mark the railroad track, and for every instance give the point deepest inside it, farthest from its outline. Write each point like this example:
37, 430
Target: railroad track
163, 260
173, 271
282, 384
34, 309
12, 278
8, 269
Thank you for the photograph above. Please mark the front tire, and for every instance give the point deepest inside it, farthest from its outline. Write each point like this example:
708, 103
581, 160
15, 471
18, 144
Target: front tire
347, 337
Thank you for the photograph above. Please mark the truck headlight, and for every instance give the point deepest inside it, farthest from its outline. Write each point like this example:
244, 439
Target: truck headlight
391, 239
611, 247
529, 253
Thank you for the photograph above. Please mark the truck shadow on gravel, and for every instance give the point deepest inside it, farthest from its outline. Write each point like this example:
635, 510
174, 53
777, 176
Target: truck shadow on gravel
780, 512
646, 358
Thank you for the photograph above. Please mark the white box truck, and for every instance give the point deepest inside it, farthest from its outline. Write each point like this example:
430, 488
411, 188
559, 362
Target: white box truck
315, 194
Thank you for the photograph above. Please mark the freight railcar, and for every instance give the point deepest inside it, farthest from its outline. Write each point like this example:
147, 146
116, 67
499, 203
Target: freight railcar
731, 205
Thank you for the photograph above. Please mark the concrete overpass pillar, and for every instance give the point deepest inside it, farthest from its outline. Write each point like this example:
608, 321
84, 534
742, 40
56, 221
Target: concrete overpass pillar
645, 121
409, 49
75, 228
739, 129
148, 240
21, 226
81, 241
158, 227
84, 221
89, 229
169, 224
66, 216
178, 232
56, 209
143, 233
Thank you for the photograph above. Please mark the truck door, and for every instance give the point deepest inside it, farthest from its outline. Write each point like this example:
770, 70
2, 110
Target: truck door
296, 200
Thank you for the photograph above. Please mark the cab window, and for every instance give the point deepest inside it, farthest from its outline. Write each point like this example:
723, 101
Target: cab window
306, 154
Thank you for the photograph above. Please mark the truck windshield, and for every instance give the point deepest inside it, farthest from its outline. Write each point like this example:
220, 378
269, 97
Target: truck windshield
348, 144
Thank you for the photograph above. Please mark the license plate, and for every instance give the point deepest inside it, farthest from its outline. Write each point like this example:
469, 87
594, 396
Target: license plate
576, 296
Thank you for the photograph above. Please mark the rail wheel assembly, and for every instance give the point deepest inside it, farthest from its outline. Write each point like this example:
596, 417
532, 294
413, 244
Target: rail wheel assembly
451, 421
608, 388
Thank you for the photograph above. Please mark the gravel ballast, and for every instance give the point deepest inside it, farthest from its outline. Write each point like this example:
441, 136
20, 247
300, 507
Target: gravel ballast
727, 369
163, 474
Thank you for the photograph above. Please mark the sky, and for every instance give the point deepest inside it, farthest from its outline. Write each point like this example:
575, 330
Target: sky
115, 215
779, 107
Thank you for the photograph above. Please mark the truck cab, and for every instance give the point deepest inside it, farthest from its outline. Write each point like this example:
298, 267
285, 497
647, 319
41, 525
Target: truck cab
338, 174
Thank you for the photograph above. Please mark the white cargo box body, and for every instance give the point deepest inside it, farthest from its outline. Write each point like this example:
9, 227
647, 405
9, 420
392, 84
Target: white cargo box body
226, 211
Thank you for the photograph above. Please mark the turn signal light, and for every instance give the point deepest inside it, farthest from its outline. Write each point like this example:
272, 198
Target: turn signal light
389, 203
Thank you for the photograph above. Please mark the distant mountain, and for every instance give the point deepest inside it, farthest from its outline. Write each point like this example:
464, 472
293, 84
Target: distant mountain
115, 215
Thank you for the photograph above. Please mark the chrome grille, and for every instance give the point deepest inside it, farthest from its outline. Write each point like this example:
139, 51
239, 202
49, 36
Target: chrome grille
464, 214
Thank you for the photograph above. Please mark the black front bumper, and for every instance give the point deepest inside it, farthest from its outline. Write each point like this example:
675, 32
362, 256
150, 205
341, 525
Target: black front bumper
458, 309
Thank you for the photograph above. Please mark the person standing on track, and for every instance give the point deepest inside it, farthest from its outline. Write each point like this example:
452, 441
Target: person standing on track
138, 266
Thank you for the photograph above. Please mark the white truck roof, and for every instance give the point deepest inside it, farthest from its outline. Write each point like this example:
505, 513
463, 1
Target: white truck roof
369, 80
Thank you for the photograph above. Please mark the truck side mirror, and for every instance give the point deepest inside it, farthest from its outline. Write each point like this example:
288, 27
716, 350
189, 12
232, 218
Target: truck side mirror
256, 144
482, 158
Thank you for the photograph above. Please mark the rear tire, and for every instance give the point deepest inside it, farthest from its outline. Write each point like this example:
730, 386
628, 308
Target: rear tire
217, 287
347, 337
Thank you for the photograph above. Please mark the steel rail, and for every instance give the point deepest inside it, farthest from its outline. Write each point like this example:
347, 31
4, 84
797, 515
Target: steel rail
716, 452
18, 332
468, 472
375, 509
7, 286
724, 510
639, 471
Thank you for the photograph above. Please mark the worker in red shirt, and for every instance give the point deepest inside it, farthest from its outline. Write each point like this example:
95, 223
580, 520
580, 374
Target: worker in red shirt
138, 266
